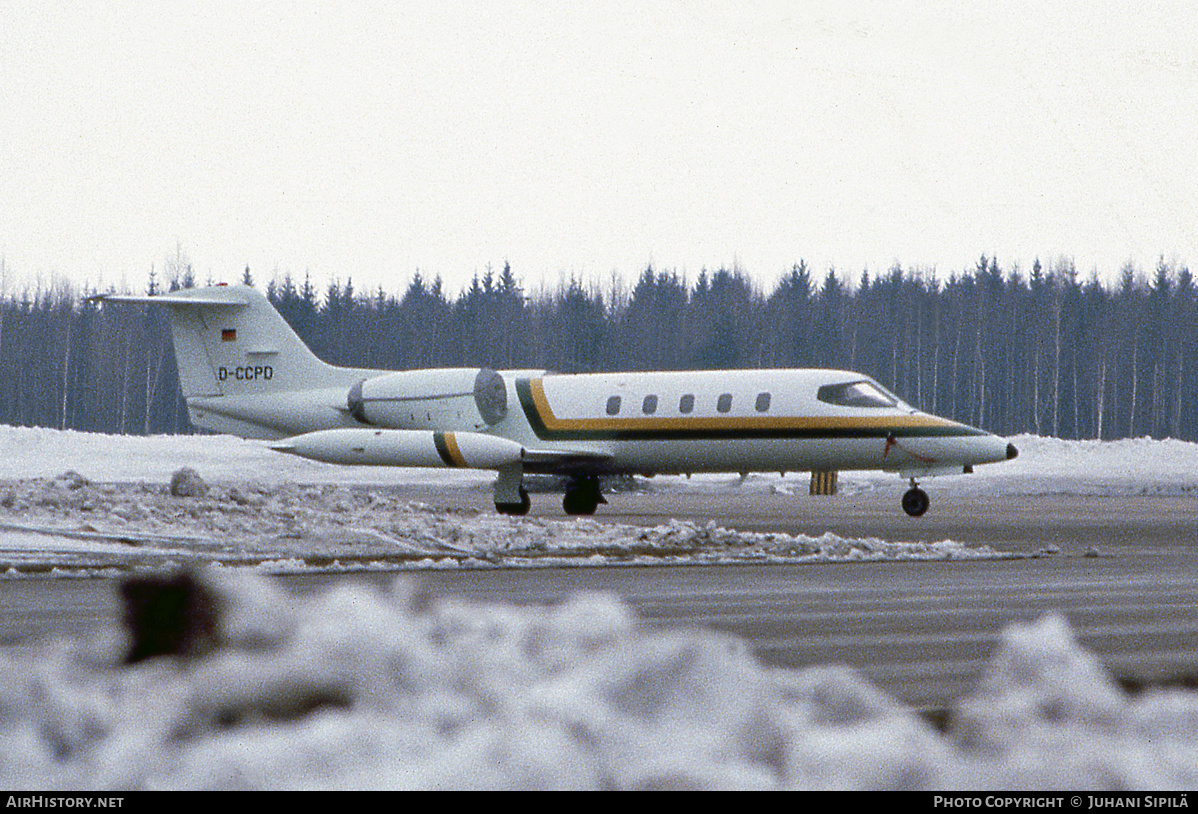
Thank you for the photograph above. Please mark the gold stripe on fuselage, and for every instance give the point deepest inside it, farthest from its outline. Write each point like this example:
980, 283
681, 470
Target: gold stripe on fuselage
748, 423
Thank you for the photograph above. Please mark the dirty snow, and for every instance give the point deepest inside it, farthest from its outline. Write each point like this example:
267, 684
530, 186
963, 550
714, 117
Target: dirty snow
75, 503
73, 525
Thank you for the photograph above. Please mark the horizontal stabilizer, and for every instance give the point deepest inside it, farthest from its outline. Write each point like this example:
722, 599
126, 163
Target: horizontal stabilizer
171, 299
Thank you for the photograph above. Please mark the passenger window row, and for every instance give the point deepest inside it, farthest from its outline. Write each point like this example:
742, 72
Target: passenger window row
686, 404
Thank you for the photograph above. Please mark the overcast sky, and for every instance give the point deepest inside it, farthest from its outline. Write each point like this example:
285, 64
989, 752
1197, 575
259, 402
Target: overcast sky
369, 140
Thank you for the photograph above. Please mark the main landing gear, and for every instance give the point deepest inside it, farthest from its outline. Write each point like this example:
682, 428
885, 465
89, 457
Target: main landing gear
516, 509
583, 496
510, 496
915, 500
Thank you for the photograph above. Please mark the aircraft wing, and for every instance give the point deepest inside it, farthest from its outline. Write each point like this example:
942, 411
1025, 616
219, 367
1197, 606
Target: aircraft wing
565, 460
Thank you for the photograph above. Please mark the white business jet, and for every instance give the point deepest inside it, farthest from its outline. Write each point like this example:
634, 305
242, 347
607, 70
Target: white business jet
244, 371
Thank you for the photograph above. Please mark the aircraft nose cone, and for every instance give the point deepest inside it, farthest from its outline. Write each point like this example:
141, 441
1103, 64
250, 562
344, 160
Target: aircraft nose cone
1012, 452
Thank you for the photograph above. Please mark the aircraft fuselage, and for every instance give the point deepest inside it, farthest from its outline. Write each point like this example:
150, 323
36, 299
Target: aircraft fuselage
244, 371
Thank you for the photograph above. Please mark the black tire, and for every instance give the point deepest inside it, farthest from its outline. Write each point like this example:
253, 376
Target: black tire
580, 502
915, 502
516, 509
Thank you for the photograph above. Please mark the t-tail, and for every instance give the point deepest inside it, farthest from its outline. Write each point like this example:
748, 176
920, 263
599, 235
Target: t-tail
240, 364
243, 371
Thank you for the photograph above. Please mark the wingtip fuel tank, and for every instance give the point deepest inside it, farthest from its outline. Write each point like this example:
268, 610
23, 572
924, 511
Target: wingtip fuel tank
418, 448
243, 370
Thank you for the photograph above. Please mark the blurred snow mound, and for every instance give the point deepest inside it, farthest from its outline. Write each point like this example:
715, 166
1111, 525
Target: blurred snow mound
361, 688
1051, 710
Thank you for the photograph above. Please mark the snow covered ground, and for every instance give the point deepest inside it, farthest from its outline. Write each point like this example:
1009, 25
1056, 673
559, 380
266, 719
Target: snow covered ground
356, 688
76, 503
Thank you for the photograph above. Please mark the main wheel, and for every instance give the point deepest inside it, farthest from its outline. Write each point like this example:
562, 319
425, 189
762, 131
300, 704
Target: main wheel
516, 509
583, 495
915, 501
580, 501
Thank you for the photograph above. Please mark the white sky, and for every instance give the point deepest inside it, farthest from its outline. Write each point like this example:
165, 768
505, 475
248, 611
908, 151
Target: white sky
368, 140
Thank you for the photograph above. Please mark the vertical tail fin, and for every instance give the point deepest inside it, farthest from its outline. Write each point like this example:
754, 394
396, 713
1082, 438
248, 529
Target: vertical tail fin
230, 341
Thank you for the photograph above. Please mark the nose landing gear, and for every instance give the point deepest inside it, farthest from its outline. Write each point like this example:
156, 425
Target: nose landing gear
915, 500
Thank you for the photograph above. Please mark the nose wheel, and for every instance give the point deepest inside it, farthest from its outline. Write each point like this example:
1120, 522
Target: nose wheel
915, 501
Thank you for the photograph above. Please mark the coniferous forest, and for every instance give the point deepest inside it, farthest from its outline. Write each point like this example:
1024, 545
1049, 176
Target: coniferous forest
1013, 350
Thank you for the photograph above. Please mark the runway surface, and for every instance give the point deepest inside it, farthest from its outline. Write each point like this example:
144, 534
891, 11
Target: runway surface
1123, 570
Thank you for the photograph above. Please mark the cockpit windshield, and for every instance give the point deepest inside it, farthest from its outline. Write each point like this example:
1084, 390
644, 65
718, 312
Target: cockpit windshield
857, 394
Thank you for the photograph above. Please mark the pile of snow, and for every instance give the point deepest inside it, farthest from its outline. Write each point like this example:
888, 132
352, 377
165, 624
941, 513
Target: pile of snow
357, 688
1045, 466
1128, 466
38, 452
76, 526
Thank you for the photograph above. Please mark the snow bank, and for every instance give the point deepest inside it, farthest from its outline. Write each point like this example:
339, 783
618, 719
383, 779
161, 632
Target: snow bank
69, 522
1128, 466
38, 452
1045, 466
356, 688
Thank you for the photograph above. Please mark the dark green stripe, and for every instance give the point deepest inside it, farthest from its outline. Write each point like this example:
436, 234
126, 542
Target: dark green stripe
442, 448
524, 392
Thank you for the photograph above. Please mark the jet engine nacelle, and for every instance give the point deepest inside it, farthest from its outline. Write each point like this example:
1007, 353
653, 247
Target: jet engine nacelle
469, 450
444, 399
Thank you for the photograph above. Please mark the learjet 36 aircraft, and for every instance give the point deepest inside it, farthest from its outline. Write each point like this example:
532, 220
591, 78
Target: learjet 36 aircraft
243, 371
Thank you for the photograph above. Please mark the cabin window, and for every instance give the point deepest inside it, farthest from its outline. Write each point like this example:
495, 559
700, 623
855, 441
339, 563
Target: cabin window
649, 405
686, 404
856, 394
724, 402
763, 402
613, 405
